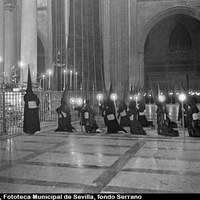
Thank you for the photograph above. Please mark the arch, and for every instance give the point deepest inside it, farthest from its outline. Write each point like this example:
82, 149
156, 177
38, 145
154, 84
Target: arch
179, 38
164, 14
172, 56
42, 38
42, 44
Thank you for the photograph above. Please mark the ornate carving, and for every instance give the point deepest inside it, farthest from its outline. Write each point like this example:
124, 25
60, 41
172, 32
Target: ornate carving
10, 4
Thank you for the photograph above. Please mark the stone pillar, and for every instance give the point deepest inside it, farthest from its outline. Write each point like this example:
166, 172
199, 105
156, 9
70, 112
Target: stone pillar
29, 40
1, 41
18, 38
122, 53
133, 37
50, 41
115, 43
105, 21
10, 39
141, 68
67, 13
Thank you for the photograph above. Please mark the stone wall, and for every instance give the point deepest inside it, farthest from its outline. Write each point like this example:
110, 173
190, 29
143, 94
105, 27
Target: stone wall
141, 17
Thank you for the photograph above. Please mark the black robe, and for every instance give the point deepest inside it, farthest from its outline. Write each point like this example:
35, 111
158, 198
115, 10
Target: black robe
111, 119
142, 117
164, 127
31, 113
122, 115
102, 108
64, 119
185, 107
193, 121
135, 126
80, 114
88, 118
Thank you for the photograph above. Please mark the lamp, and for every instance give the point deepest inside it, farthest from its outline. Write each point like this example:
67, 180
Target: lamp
182, 98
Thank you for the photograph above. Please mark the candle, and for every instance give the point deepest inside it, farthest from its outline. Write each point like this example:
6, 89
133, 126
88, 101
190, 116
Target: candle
64, 80
49, 82
40, 83
70, 79
76, 80
43, 76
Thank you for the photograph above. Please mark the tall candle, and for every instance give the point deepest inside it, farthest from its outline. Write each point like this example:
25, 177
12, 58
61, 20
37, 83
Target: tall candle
70, 79
43, 76
64, 79
76, 80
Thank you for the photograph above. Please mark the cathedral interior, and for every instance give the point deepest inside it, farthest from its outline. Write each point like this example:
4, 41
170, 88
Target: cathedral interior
101, 42
71, 47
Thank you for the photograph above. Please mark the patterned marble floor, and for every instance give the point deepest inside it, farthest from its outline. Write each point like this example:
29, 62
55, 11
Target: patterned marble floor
55, 162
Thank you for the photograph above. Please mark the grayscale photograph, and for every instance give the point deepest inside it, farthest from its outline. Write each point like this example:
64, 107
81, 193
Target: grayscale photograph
99, 99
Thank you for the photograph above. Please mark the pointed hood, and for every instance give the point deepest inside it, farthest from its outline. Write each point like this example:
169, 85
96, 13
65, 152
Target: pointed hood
131, 91
159, 93
108, 93
153, 93
111, 90
65, 95
125, 93
137, 88
109, 101
87, 93
29, 82
182, 89
85, 90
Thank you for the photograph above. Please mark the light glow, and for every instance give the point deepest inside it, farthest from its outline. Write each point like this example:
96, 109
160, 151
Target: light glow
99, 97
72, 100
113, 97
50, 72
161, 98
182, 97
79, 101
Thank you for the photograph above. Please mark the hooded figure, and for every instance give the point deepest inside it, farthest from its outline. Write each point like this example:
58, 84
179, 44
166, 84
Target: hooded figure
122, 110
185, 108
193, 119
31, 109
142, 117
163, 121
122, 114
185, 112
111, 119
88, 118
64, 116
135, 126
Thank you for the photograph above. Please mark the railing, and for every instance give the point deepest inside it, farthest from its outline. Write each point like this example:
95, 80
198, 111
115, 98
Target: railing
49, 101
14, 110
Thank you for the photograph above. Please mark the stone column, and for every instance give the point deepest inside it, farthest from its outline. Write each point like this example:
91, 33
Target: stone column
115, 43
105, 21
49, 36
122, 45
67, 13
133, 45
1, 41
10, 39
141, 68
18, 38
29, 40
